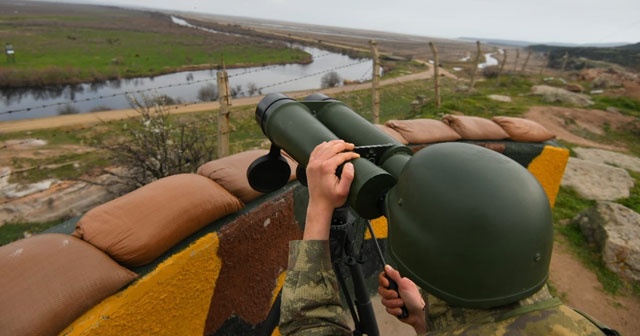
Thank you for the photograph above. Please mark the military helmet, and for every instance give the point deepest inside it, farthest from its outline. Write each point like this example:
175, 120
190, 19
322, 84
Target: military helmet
470, 226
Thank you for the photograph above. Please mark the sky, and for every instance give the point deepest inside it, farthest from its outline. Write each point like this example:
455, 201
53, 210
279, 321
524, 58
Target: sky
540, 21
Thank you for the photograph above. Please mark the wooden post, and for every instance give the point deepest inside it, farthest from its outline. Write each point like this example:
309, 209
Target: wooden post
515, 64
526, 60
375, 81
472, 81
502, 63
224, 98
436, 73
565, 58
545, 62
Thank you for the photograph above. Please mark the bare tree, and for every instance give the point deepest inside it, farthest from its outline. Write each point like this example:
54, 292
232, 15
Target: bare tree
155, 145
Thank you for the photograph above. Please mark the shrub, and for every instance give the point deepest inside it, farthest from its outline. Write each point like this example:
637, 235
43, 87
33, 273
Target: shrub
331, 79
208, 93
156, 145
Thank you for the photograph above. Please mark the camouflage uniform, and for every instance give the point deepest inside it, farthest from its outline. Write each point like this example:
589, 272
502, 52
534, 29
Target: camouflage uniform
538, 314
311, 306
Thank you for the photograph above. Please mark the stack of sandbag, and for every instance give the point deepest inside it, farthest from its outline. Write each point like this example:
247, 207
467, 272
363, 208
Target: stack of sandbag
460, 127
140, 226
49, 280
231, 172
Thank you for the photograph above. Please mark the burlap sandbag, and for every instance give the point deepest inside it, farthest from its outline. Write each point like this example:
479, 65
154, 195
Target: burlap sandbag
423, 131
393, 133
475, 128
524, 130
138, 227
231, 172
49, 280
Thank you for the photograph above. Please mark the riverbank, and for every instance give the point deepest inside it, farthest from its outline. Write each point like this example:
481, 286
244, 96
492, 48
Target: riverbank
63, 43
88, 119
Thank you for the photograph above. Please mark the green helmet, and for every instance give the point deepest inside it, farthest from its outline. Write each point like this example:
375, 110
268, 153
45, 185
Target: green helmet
470, 226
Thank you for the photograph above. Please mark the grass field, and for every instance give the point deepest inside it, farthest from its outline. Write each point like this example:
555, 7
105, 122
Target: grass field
66, 44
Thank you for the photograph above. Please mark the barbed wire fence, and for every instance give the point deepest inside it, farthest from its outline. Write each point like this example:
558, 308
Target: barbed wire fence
462, 59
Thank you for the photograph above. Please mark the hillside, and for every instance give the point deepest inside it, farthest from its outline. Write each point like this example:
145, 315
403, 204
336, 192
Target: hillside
626, 56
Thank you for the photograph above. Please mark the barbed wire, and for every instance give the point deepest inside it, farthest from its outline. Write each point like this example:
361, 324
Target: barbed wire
126, 93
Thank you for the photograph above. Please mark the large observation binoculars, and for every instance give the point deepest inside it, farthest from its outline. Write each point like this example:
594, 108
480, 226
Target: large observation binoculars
297, 127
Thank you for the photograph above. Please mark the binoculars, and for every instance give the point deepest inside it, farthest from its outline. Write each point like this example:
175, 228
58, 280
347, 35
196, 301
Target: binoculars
297, 127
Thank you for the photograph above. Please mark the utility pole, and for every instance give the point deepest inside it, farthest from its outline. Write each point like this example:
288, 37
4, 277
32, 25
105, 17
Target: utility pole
375, 81
224, 98
436, 73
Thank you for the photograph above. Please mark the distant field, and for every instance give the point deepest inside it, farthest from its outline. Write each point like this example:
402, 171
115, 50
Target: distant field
63, 43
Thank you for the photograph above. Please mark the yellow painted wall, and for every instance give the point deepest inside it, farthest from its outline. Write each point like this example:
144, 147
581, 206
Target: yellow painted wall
171, 300
548, 168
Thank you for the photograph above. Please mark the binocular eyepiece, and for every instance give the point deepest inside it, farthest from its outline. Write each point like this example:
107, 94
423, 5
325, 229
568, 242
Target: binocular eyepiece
298, 127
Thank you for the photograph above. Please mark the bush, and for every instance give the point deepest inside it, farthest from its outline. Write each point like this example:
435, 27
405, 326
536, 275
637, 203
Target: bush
208, 93
157, 145
331, 79
491, 71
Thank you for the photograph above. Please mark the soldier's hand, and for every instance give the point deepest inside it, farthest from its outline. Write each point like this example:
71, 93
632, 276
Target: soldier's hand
327, 191
407, 295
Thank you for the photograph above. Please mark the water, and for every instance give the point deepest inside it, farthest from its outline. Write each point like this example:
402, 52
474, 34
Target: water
181, 86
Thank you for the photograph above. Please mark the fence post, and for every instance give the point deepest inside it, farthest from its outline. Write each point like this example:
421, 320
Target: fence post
526, 61
515, 64
565, 58
545, 62
224, 98
375, 80
475, 66
436, 72
502, 63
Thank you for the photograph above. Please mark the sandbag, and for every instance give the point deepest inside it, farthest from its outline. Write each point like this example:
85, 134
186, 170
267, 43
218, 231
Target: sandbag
423, 131
140, 226
393, 133
231, 172
475, 128
523, 130
49, 280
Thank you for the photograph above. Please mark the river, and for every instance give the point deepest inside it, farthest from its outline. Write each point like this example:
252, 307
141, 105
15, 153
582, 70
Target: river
181, 87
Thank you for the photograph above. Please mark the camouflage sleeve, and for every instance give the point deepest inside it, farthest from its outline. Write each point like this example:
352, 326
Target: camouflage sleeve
310, 299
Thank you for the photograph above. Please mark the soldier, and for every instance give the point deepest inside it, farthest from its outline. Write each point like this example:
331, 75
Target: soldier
464, 297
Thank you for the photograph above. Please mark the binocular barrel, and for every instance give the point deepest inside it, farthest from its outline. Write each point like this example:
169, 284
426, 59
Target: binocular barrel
298, 127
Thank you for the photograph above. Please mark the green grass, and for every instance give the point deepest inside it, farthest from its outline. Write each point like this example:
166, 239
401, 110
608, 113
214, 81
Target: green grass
568, 205
11, 232
633, 201
72, 49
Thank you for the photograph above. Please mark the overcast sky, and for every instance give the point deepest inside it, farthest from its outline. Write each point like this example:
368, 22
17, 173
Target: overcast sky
571, 21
